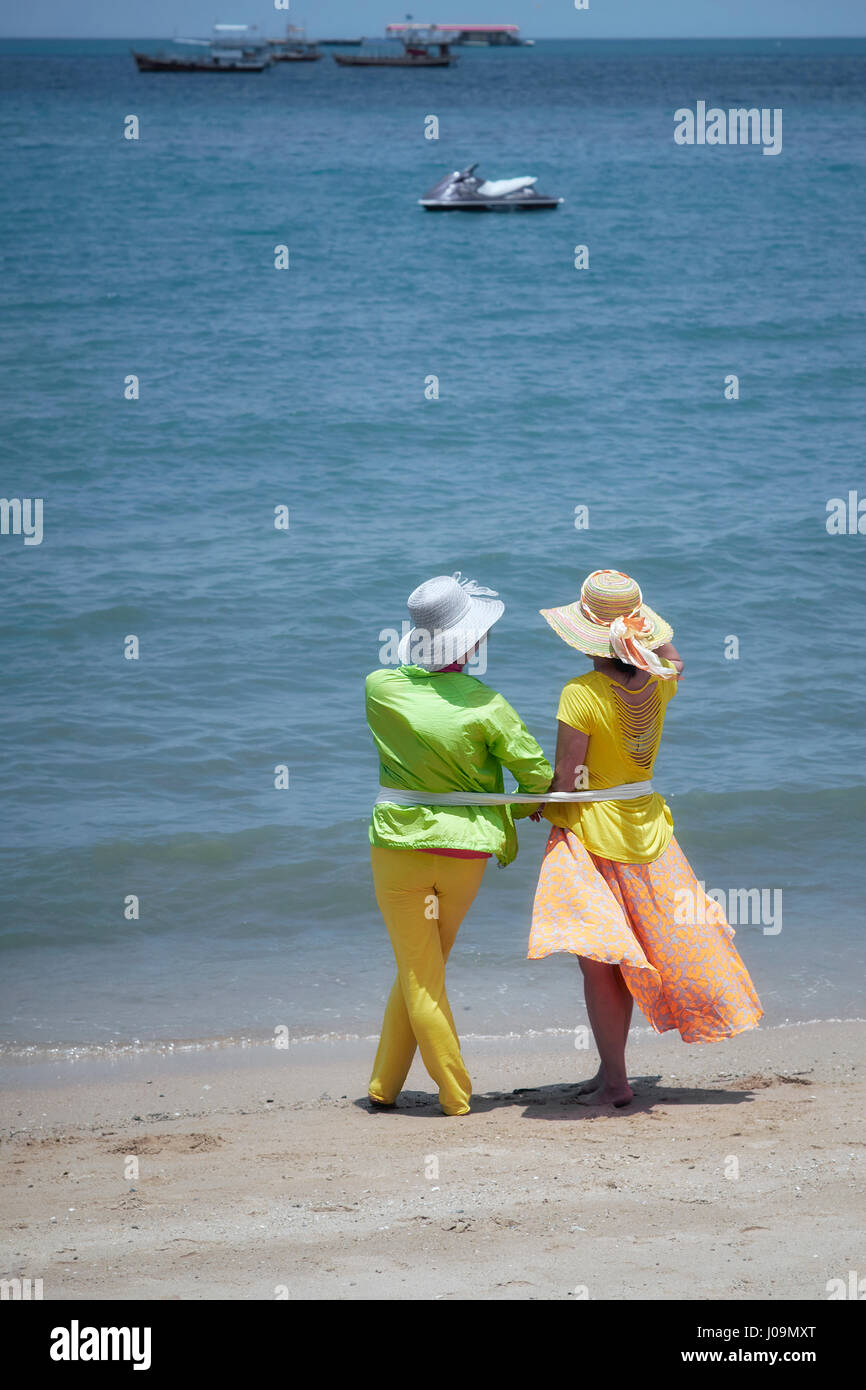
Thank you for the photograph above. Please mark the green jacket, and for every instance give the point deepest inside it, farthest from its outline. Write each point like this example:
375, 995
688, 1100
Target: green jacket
442, 732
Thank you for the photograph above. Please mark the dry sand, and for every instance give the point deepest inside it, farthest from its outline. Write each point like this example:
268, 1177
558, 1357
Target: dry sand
736, 1174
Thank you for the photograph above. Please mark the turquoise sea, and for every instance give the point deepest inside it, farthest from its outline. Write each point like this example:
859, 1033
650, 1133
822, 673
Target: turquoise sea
304, 388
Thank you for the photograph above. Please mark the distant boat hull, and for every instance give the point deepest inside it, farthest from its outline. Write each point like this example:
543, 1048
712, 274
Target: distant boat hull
426, 60
145, 63
494, 43
279, 57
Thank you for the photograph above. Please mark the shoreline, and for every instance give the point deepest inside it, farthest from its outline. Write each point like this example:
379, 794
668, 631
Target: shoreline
38, 1063
736, 1174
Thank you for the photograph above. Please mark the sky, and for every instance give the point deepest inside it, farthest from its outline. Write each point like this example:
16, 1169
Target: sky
537, 18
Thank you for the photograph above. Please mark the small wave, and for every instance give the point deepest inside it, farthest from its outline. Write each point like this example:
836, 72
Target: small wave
117, 1051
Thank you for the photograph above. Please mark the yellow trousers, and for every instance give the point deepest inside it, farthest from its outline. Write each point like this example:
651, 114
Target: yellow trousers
423, 899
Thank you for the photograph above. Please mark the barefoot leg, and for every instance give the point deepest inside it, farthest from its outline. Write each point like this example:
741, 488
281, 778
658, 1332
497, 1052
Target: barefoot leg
593, 1084
628, 1002
596, 1082
609, 1016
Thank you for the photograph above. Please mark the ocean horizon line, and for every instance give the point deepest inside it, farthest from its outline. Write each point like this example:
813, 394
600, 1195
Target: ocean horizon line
541, 38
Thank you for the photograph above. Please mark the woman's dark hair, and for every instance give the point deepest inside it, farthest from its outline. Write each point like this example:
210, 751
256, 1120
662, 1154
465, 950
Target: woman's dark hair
623, 666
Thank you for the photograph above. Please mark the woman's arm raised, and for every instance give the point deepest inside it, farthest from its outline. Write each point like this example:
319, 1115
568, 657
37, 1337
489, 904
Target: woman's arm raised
668, 652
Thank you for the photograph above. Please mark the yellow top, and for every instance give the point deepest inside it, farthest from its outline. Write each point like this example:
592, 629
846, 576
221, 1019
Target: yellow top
624, 739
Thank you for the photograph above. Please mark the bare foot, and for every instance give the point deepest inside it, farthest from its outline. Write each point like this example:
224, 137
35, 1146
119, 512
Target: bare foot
609, 1095
594, 1084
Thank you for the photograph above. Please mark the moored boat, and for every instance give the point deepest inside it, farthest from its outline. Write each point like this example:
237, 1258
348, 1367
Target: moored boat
295, 47
426, 46
161, 62
233, 48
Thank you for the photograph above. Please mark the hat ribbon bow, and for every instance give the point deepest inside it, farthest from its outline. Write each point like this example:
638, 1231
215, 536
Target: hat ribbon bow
474, 590
625, 633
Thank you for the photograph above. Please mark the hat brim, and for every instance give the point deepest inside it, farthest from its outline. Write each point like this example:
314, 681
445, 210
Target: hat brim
571, 624
431, 651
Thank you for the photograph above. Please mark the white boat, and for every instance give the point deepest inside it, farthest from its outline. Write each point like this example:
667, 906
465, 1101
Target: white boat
470, 35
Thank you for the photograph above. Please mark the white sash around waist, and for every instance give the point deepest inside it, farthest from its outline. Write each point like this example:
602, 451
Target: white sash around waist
394, 797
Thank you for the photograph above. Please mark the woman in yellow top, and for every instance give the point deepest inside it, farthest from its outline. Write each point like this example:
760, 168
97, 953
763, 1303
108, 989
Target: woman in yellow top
615, 888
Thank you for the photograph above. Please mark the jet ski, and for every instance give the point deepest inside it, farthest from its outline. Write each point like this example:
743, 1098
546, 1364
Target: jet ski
465, 192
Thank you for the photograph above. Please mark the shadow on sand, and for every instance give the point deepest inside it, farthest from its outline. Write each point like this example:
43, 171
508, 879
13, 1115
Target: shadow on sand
562, 1102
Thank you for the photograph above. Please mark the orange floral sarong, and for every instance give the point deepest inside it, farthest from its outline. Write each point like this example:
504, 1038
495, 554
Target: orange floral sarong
682, 974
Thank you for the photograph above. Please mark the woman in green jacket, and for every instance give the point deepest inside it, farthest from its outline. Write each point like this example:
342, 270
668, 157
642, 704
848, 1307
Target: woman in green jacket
437, 730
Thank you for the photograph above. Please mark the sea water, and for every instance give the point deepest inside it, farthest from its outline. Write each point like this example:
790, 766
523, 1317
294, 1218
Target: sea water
167, 647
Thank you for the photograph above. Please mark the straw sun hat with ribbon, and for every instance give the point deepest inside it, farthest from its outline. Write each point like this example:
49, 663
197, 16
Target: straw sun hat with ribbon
610, 619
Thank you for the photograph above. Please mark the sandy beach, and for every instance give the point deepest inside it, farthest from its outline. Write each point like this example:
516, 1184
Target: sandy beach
736, 1174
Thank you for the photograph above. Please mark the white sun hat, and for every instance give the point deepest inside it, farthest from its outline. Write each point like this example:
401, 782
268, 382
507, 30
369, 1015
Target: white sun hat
449, 615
